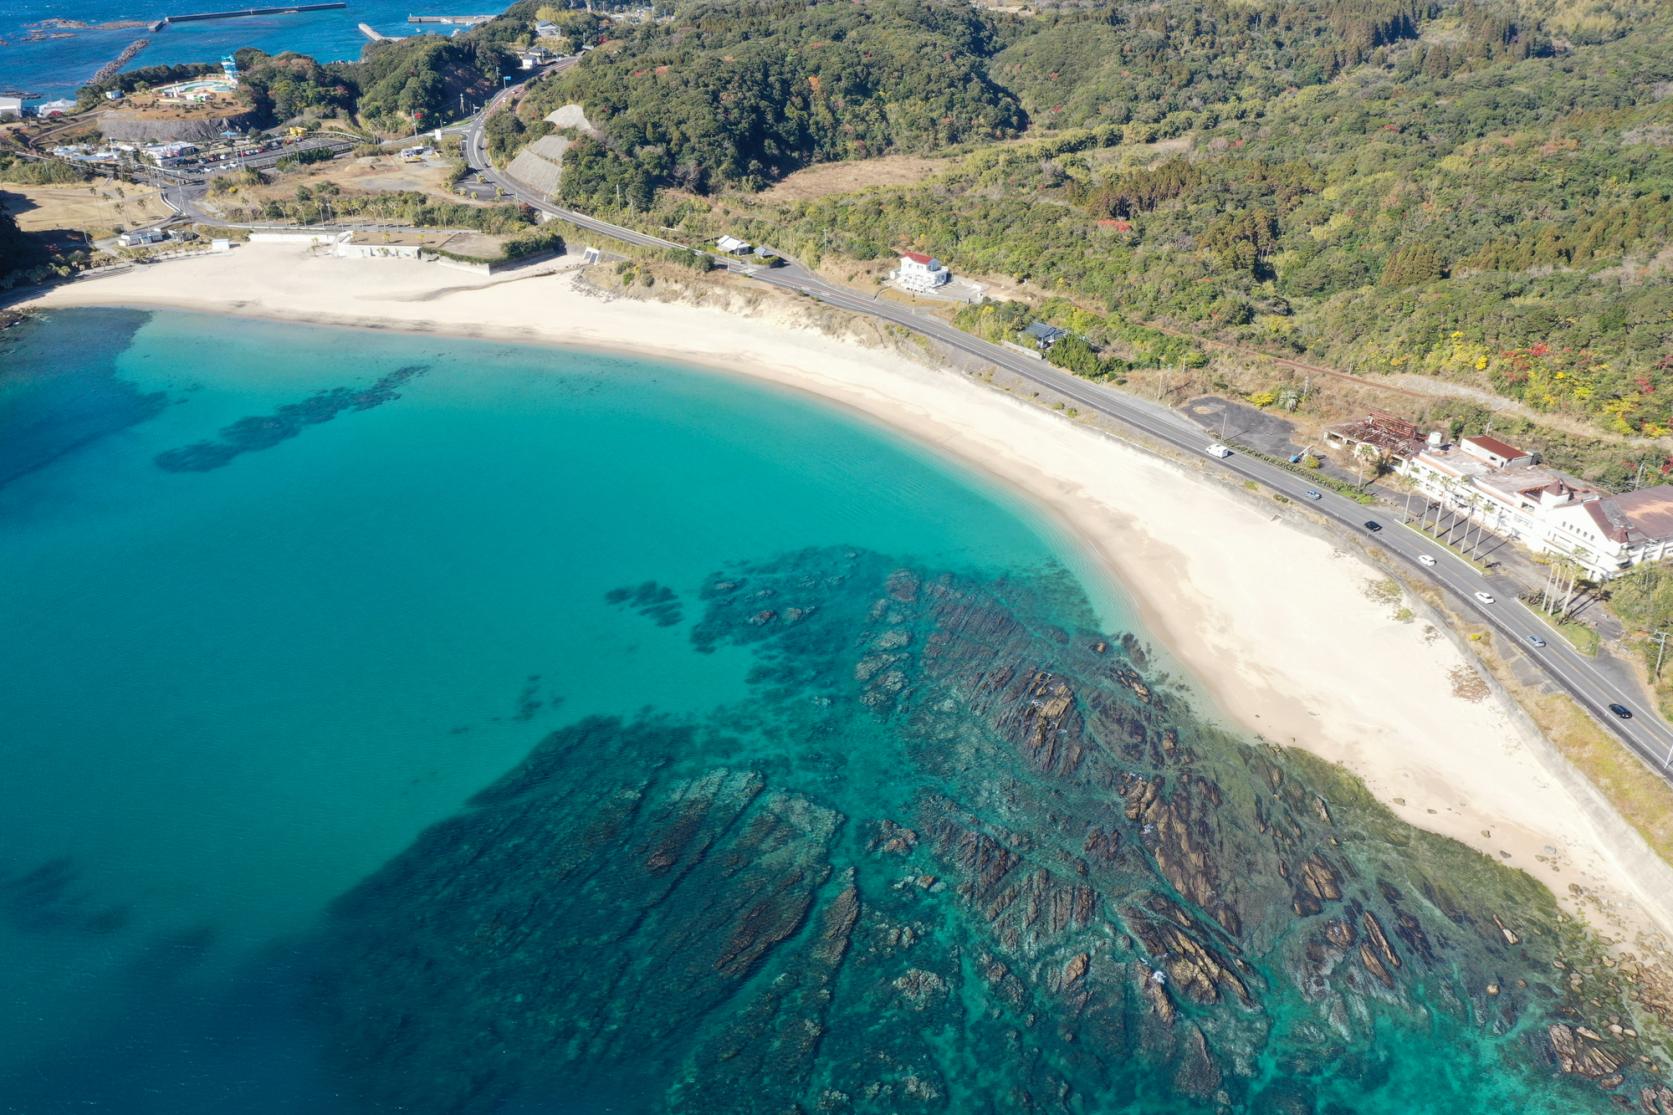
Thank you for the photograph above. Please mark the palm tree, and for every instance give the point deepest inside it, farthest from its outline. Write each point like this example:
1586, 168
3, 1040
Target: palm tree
1368, 455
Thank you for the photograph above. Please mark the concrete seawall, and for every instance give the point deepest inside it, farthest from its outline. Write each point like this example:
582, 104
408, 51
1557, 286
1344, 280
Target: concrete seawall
294, 9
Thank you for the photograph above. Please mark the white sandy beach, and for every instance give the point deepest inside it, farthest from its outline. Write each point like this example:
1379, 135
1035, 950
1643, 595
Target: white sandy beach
1274, 622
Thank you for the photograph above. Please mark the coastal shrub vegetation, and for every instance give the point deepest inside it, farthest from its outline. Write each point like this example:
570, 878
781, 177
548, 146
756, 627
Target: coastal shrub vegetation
143, 77
396, 86
1478, 191
326, 201
40, 172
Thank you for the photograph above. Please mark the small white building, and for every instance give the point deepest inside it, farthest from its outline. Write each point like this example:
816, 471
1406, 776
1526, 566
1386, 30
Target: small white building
113, 94
732, 246
55, 108
920, 272
1497, 453
170, 154
11, 108
141, 236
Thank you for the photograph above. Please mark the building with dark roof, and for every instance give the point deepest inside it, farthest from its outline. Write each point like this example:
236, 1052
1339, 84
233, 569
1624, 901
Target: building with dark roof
1043, 335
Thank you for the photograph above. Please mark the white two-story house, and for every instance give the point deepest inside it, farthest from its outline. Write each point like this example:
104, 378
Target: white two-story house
920, 272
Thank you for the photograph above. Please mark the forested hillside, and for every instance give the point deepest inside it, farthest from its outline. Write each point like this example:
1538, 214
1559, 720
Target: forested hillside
396, 86
744, 93
1475, 189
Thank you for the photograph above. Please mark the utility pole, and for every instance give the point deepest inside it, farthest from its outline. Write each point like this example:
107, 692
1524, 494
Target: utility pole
1661, 648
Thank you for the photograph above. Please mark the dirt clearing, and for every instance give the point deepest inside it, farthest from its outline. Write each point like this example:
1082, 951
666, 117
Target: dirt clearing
840, 178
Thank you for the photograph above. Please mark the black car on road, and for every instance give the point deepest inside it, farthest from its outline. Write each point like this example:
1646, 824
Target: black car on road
1373, 526
1622, 711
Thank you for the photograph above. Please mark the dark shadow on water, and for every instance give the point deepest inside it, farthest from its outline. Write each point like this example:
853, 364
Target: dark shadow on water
657, 603
48, 899
264, 431
59, 391
181, 1041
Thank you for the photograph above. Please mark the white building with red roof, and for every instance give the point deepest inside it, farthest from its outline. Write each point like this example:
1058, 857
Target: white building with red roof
919, 272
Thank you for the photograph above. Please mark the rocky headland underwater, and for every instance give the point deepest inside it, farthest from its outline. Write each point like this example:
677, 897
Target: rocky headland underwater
958, 851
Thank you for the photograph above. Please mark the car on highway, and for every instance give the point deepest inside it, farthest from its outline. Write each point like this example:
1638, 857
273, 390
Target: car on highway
1314, 493
1373, 526
1535, 641
1622, 711
1484, 597
1425, 559
1218, 450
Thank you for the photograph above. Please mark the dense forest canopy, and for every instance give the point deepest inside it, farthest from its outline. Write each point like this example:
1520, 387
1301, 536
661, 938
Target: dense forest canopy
746, 91
396, 86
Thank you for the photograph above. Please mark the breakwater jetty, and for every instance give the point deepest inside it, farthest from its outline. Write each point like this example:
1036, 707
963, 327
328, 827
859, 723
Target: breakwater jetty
114, 66
240, 13
454, 20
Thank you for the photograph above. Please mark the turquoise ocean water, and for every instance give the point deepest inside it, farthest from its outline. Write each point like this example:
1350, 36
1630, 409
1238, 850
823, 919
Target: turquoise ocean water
274, 601
57, 62
231, 694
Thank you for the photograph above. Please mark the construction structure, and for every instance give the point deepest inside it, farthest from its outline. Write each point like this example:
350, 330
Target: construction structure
1387, 435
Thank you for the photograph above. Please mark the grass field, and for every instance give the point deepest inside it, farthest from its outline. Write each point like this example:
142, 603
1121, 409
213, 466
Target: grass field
98, 207
1643, 797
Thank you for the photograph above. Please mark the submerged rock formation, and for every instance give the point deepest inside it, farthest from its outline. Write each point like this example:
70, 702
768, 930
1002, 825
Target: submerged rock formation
264, 431
958, 854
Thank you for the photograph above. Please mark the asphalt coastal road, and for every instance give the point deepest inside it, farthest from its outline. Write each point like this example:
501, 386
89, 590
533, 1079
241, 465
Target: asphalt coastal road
1646, 734
1579, 677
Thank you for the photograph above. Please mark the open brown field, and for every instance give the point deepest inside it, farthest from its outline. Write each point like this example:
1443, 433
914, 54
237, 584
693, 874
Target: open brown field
825, 179
368, 174
98, 207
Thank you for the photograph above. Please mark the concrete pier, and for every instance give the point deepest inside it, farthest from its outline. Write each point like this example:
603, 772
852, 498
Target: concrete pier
196, 17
